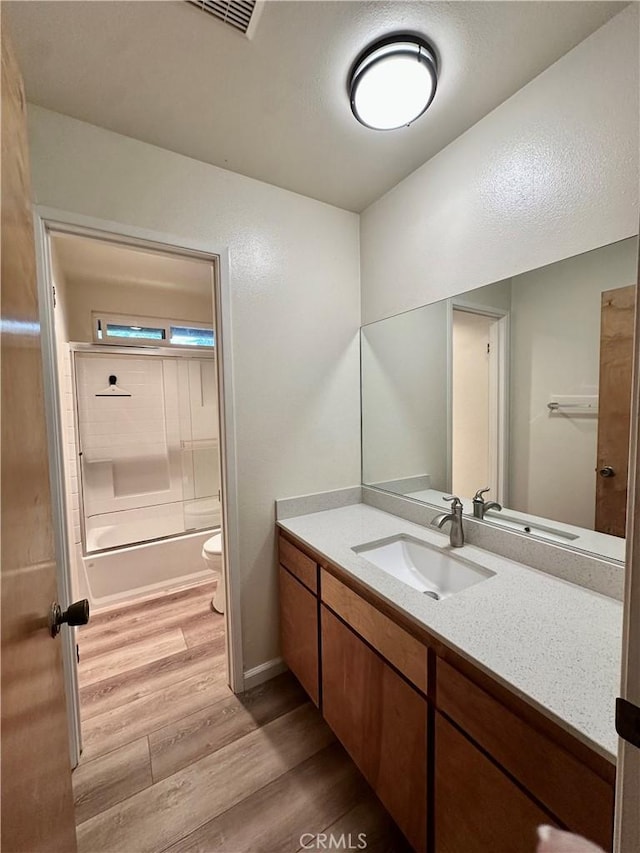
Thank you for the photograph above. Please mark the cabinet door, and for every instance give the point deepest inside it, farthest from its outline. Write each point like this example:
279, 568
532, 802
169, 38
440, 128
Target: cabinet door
382, 723
478, 807
299, 632
553, 776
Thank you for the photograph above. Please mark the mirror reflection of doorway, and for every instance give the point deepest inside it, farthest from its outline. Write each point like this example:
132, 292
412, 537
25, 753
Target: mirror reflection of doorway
617, 319
478, 400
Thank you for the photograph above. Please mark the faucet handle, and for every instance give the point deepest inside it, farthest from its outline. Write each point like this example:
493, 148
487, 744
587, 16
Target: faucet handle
481, 492
454, 500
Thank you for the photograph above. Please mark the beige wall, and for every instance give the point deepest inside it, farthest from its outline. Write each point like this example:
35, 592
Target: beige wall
144, 301
294, 281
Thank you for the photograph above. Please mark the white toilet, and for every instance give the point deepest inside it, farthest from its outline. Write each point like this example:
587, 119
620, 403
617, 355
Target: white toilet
201, 513
212, 555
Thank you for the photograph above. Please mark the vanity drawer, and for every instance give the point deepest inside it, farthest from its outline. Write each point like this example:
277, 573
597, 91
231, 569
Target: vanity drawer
303, 567
406, 653
547, 770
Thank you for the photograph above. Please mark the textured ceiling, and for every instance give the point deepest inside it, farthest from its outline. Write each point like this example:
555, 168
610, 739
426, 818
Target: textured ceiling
275, 107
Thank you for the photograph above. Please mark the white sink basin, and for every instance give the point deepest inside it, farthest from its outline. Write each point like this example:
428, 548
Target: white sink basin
427, 568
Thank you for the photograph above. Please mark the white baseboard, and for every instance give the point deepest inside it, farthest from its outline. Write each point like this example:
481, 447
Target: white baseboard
263, 672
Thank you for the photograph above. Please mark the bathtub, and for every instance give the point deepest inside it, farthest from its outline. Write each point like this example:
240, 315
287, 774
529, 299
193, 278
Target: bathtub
142, 571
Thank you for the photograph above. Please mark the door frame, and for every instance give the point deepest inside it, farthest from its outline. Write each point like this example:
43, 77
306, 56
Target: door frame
608, 452
499, 381
57, 485
46, 220
627, 819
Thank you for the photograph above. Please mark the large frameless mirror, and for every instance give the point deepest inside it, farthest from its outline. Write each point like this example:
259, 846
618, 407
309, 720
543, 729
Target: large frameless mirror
516, 393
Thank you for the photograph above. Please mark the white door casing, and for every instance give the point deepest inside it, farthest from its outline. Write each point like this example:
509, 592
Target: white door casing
627, 817
45, 221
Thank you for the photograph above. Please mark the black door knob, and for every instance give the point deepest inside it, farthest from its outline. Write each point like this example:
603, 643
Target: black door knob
76, 614
607, 471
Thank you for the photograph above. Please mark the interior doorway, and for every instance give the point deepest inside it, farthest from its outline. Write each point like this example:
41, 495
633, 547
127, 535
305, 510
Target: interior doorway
617, 323
136, 387
478, 392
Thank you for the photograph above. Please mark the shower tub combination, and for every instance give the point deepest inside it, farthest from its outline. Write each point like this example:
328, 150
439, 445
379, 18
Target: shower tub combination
149, 472
145, 570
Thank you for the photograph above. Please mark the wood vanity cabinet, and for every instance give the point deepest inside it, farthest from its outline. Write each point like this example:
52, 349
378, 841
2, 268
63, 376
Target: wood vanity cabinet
298, 578
368, 679
461, 763
535, 773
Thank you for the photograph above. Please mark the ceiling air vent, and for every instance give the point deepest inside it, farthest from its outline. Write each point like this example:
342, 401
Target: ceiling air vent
236, 13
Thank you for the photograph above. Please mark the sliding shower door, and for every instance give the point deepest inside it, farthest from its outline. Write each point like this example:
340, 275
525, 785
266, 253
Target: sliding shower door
147, 436
198, 403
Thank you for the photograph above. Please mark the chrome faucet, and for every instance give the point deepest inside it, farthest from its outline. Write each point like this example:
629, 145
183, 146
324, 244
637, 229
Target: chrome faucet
456, 533
481, 507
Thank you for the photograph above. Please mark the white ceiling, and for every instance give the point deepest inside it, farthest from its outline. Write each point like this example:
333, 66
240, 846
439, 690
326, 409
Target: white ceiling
275, 107
83, 260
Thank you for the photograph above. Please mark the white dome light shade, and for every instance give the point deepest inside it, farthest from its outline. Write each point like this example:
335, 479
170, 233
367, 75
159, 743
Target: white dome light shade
393, 93
393, 83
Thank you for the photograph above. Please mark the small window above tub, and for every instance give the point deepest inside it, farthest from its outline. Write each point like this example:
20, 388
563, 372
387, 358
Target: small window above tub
121, 330
192, 336
127, 330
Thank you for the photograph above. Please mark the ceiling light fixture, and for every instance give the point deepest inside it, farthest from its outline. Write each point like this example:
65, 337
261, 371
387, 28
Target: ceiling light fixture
393, 82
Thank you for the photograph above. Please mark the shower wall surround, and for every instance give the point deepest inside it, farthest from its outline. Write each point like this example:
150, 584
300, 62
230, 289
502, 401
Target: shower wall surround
149, 461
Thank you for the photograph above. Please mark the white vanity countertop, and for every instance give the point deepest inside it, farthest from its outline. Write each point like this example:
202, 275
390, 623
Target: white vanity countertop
553, 643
